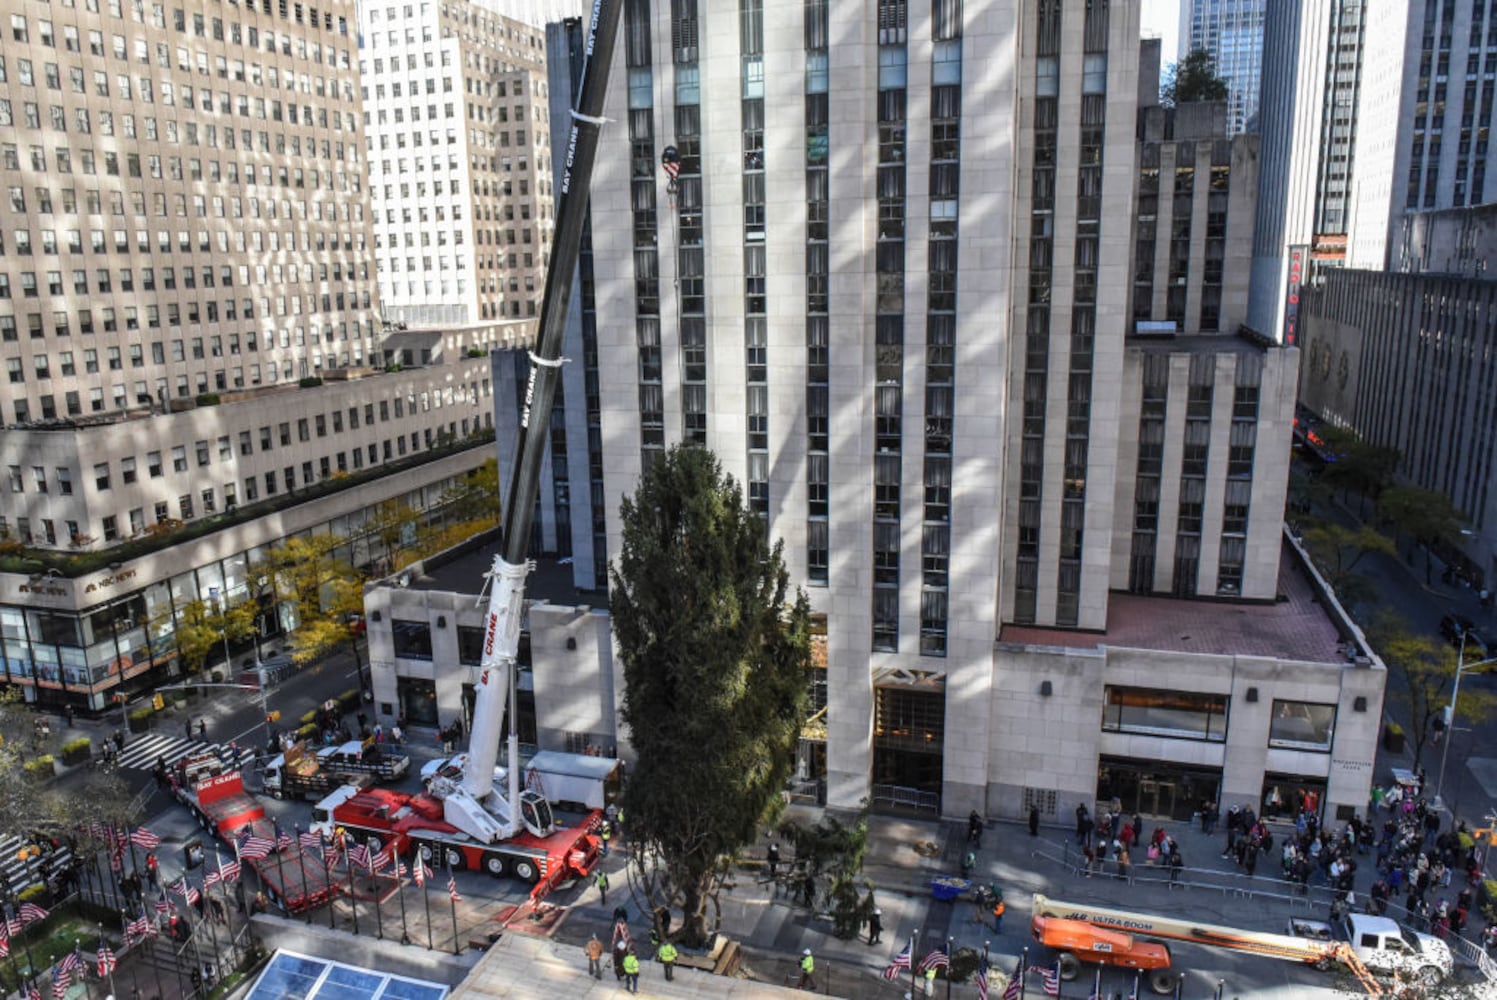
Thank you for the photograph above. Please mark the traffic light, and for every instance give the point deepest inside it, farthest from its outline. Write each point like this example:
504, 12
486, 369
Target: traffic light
273, 717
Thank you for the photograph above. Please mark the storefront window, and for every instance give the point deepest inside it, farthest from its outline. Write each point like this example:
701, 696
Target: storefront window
412, 639
1299, 725
1184, 714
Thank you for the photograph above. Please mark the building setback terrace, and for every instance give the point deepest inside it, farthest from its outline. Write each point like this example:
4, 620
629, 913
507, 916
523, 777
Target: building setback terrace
1295, 627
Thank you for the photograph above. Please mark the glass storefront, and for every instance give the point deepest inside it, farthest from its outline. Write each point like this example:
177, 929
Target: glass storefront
1285, 796
1155, 788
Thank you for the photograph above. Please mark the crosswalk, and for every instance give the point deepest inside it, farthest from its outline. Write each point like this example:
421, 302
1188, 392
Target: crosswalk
143, 752
25, 862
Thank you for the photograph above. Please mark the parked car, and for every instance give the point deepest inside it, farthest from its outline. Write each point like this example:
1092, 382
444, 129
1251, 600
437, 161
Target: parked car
1453, 627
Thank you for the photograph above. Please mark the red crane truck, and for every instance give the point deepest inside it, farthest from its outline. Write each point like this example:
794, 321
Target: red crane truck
379, 817
294, 880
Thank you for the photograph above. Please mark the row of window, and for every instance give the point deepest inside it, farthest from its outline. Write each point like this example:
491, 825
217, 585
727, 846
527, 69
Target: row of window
43, 531
1293, 725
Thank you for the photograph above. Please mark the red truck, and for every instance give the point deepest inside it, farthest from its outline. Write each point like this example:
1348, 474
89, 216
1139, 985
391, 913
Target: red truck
292, 879
402, 820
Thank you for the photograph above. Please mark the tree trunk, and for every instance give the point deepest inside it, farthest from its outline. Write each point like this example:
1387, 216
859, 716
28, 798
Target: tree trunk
694, 931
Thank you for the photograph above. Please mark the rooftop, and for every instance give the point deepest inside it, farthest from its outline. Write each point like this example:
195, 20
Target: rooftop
549, 581
1297, 628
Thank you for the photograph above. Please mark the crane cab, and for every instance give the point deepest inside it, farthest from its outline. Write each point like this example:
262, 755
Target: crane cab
535, 813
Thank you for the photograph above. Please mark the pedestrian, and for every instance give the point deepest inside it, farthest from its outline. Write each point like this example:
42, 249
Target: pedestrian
594, 951
188, 725
605, 834
153, 869
1034, 821
1083, 825
930, 981
974, 829
67, 711
202, 729
601, 881
772, 858
667, 956
220, 915
999, 908
807, 971
631, 971
620, 952
875, 925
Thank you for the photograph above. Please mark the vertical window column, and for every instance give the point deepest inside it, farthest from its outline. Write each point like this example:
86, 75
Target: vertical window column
755, 265
817, 290
1193, 465
888, 348
1239, 491
1150, 468
1184, 198
940, 343
1037, 319
692, 266
642, 181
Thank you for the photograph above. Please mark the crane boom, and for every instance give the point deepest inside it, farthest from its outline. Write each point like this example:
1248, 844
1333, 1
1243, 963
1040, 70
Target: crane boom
470, 804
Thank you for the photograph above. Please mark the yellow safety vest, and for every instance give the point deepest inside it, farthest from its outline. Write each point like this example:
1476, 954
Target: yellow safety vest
807, 964
631, 964
667, 952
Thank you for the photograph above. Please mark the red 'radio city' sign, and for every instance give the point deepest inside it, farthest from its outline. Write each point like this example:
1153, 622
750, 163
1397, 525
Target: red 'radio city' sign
1297, 259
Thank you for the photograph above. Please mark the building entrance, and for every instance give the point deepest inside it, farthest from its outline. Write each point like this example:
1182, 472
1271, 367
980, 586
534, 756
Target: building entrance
418, 700
1156, 788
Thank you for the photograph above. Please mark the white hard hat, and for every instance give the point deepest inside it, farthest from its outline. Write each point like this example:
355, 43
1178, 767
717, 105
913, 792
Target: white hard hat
807, 951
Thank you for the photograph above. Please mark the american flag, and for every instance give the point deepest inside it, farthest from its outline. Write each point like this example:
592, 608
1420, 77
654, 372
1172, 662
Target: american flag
901, 961
358, 854
310, 841
141, 927
72, 962
213, 878
61, 980
145, 839
1015, 986
255, 848
452, 889
283, 840
937, 959
31, 912
14, 926
420, 870
379, 861
1049, 977
4, 947
105, 960
397, 864
229, 870
186, 890
32, 993
162, 905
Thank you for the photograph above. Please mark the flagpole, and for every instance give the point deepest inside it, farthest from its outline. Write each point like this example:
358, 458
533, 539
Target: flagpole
1097, 990
1023, 972
451, 899
405, 934
425, 898
913, 935
1179, 985
950, 950
379, 915
275, 828
353, 900
301, 859
1137, 980
329, 853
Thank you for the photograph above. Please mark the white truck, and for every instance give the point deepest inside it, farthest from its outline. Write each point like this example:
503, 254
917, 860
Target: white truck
1384, 947
575, 779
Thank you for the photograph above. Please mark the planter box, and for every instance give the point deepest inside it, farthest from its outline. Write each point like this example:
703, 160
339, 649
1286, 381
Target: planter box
1393, 739
79, 756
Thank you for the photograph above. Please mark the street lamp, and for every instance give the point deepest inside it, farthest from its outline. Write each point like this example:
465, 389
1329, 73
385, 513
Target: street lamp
1461, 666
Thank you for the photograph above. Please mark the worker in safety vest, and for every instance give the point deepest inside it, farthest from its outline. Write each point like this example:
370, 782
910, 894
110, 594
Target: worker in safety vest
605, 834
601, 881
807, 971
631, 971
667, 956
998, 911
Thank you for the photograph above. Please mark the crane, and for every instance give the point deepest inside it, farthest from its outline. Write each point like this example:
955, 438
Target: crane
470, 802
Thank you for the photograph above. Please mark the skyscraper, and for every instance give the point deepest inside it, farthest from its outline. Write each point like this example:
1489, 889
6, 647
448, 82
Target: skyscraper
188, 326
1426, 114
882, 269
459, 153
1232, 31
1312, 75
